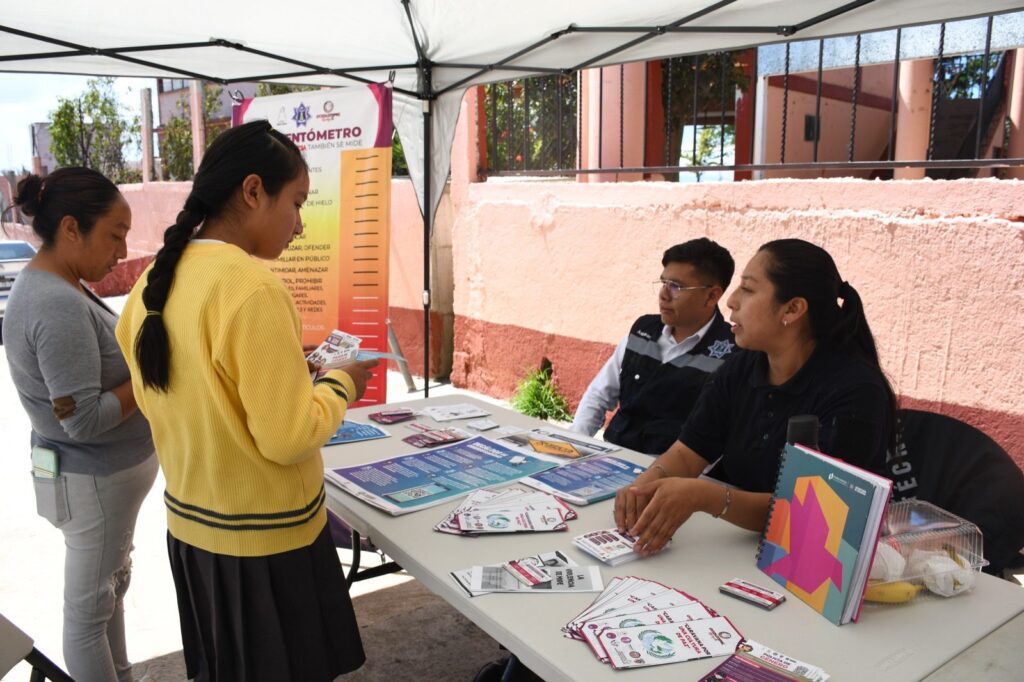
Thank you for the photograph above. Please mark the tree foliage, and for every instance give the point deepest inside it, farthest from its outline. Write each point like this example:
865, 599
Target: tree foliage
93, 130
176, 141
711, 142
399, 166
531, 123
267, 89
705, 83
964, 76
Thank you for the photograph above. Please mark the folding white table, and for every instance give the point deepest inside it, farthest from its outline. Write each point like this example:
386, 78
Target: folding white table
972, 635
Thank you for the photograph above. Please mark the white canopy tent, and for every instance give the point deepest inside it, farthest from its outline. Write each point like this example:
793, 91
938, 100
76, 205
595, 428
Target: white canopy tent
432, 50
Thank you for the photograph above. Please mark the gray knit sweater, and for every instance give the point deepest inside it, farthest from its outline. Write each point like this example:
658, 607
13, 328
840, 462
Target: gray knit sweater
60, 342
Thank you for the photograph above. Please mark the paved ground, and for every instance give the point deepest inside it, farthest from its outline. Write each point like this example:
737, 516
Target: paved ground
32, 551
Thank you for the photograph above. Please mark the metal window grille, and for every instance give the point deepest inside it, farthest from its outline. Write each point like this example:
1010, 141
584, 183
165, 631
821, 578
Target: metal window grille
846, 114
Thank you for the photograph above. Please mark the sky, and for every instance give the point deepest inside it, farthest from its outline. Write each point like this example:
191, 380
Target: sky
29, 98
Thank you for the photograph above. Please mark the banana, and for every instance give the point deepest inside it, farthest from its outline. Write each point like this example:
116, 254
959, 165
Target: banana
896, 592
961, 562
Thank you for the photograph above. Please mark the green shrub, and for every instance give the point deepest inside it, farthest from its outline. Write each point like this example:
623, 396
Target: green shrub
538, 396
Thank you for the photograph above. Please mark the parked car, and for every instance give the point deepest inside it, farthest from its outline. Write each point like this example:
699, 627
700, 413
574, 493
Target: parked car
14, 255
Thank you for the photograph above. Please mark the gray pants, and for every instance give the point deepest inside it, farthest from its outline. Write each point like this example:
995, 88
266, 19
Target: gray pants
97, 516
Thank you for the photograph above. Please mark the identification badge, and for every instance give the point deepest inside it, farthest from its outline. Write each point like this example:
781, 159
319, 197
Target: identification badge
45, 462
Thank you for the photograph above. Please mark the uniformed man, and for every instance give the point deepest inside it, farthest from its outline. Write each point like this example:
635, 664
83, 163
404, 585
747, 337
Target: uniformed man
658, 370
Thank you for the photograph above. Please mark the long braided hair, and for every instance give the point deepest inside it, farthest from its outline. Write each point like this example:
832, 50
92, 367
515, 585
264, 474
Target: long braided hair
254, 148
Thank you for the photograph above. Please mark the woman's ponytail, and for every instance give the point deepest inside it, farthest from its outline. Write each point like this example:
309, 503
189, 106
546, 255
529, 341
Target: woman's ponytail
798, 268
851, 331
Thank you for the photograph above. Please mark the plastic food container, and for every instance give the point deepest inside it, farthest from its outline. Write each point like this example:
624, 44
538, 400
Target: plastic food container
924, 550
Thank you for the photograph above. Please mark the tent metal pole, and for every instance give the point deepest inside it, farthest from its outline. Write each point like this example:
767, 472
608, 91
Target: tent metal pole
426, 87
428, 206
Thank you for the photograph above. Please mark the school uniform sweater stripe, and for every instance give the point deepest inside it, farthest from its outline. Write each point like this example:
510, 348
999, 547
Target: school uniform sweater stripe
173, 504
319, 502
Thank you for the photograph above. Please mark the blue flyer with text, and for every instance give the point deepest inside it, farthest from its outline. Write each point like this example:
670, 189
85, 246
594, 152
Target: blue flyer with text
406, 483
355, 432
587, 480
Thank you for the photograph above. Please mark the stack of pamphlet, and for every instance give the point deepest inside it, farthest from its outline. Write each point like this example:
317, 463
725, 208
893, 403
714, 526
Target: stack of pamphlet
429, 437
339, 349
611, 546
753, 661
514, 509
405, 483
541, 573
392, 416
637, 623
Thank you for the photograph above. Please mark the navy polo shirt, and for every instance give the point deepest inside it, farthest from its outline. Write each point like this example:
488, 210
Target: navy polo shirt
742, 418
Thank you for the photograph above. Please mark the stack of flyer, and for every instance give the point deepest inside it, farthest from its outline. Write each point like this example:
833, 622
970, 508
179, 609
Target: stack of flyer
637, 623
339, 349
611, 546
429, 437
547, 572
753, 661
515, 509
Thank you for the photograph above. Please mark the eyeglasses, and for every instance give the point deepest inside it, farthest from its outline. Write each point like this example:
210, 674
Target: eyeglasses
674, 288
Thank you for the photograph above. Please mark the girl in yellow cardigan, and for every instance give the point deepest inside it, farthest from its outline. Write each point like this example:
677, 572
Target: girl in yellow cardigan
214, 344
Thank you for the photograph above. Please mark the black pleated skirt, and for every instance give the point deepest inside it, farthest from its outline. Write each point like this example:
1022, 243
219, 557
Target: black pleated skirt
281, 617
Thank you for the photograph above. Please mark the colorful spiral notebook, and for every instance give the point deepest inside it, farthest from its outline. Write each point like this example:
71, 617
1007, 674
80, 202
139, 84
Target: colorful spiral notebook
822, 529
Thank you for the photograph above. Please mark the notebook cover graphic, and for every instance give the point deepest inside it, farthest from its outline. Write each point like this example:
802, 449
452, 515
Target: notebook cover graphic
813, 537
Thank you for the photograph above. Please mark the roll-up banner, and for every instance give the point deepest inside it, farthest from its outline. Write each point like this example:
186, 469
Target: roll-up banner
337, 269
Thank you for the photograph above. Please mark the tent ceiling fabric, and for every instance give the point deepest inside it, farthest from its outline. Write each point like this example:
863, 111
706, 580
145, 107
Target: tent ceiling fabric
326, 42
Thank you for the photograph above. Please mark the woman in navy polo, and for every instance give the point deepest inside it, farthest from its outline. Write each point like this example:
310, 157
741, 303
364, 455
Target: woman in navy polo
805, 353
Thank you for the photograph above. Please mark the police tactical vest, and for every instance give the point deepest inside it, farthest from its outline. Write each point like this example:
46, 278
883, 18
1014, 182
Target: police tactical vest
654, 397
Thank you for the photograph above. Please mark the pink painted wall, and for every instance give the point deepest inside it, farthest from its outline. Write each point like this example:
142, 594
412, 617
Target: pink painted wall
405, 280
154, 207
872, 136
940, 266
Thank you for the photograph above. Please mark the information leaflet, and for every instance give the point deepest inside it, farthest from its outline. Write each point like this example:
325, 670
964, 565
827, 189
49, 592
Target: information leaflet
406, 483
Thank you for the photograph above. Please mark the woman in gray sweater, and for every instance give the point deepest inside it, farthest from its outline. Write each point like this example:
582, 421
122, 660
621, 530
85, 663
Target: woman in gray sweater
92, 455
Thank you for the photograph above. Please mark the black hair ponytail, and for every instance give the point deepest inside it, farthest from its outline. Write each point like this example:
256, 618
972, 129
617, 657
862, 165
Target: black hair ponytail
798, 268
851, 330
82, 193
254, 148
